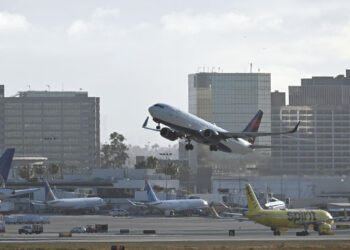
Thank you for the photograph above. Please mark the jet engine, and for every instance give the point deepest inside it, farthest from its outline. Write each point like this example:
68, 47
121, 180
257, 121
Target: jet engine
210, 135
169, 213
324, 228
169, 134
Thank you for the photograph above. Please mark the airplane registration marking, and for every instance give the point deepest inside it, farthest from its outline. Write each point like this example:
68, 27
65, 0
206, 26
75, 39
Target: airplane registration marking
301, 216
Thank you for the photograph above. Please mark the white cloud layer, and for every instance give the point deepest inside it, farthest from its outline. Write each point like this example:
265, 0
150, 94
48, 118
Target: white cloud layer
9, 21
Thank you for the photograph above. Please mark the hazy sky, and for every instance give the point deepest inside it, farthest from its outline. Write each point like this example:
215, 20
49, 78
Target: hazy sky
133, 54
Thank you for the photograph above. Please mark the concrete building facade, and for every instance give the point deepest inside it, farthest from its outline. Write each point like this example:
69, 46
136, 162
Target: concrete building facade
229, 100
62, 126
321, 145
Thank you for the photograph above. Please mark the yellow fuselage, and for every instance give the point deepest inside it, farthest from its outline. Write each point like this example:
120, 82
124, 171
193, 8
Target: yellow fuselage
292, 218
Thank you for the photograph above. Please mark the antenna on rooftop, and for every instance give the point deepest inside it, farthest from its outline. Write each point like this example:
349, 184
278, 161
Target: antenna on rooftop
28, 86
48, 87
251, 67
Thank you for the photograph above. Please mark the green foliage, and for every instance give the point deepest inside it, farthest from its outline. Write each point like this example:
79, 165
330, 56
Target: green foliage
151, 162
114, 154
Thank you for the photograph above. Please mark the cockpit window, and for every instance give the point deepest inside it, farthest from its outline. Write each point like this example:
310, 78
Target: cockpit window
159, 105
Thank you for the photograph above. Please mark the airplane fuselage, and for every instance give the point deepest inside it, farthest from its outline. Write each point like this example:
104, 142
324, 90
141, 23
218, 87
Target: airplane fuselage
293, 218
76, 203
187, 123
179, 205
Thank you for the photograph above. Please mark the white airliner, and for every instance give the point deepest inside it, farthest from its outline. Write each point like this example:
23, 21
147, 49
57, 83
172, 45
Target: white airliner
5, 165
169, 207
274, 204
90, 203
181, 124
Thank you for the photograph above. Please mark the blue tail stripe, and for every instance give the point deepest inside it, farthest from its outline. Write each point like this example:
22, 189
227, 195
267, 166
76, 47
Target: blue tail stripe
150, 193
5, 162
49, 195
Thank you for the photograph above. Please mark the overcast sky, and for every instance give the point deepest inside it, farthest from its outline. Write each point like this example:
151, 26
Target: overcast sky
133, 54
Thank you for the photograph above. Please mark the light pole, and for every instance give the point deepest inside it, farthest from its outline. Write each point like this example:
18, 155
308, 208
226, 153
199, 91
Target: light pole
167, 155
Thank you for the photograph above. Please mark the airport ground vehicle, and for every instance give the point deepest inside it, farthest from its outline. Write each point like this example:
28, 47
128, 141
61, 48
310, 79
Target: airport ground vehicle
118, 212
97, 228
31, 229
78, 230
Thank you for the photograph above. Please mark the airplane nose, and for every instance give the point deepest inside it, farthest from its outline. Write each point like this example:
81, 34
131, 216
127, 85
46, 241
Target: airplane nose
152, 110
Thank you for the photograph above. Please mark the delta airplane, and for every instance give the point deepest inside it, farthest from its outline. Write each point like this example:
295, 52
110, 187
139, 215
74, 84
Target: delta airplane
70, 203
181, 124
169, 207
5, 165
280, 220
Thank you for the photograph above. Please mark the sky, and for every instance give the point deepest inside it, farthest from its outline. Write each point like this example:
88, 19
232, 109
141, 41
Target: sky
133, 54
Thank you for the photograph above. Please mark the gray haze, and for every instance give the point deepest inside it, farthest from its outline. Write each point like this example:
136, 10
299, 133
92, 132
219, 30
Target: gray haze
135, 53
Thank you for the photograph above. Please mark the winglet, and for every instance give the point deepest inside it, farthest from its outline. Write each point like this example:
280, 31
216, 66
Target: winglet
296, 127
145, 123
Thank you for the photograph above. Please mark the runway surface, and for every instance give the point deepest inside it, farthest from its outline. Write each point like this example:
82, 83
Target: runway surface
167, 230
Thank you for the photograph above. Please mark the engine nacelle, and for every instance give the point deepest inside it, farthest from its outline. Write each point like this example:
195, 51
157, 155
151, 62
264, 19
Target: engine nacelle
210, 135
169, 213
169, 134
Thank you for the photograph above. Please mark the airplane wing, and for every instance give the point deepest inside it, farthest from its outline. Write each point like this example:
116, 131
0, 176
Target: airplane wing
256, 134
138, 204
24, 191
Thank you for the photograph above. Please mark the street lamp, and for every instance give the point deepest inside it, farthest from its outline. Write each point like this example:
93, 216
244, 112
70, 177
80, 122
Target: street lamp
167, 155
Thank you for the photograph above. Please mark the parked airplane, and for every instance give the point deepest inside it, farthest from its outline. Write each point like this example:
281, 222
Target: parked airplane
5, 165
169, 207
185, 125
280, 220
70, 203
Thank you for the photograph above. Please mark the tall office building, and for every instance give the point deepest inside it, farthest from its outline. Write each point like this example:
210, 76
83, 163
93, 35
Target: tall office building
62, 126
322, 144
230, 100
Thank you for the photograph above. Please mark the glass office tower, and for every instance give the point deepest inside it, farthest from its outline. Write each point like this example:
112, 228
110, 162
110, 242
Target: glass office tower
230, 100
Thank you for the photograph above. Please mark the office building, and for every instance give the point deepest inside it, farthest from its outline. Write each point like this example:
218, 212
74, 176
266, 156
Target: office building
60, 125
229, 100
322, 144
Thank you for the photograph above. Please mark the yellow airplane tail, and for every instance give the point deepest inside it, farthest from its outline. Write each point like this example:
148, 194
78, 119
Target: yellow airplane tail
253, 203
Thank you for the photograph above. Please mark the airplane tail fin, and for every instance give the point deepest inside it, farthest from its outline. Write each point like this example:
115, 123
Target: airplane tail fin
49, 195
253, 125
253, 203
150, 193
5, 163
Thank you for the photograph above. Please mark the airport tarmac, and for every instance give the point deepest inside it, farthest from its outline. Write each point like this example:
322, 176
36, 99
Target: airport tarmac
167, 230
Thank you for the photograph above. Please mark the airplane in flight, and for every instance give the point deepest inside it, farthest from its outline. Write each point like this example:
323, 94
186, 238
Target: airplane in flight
180, 124
169, 207
5, 165
281, 220
89, 203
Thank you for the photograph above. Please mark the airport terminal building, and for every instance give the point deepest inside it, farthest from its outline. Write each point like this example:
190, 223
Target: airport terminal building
60, 125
